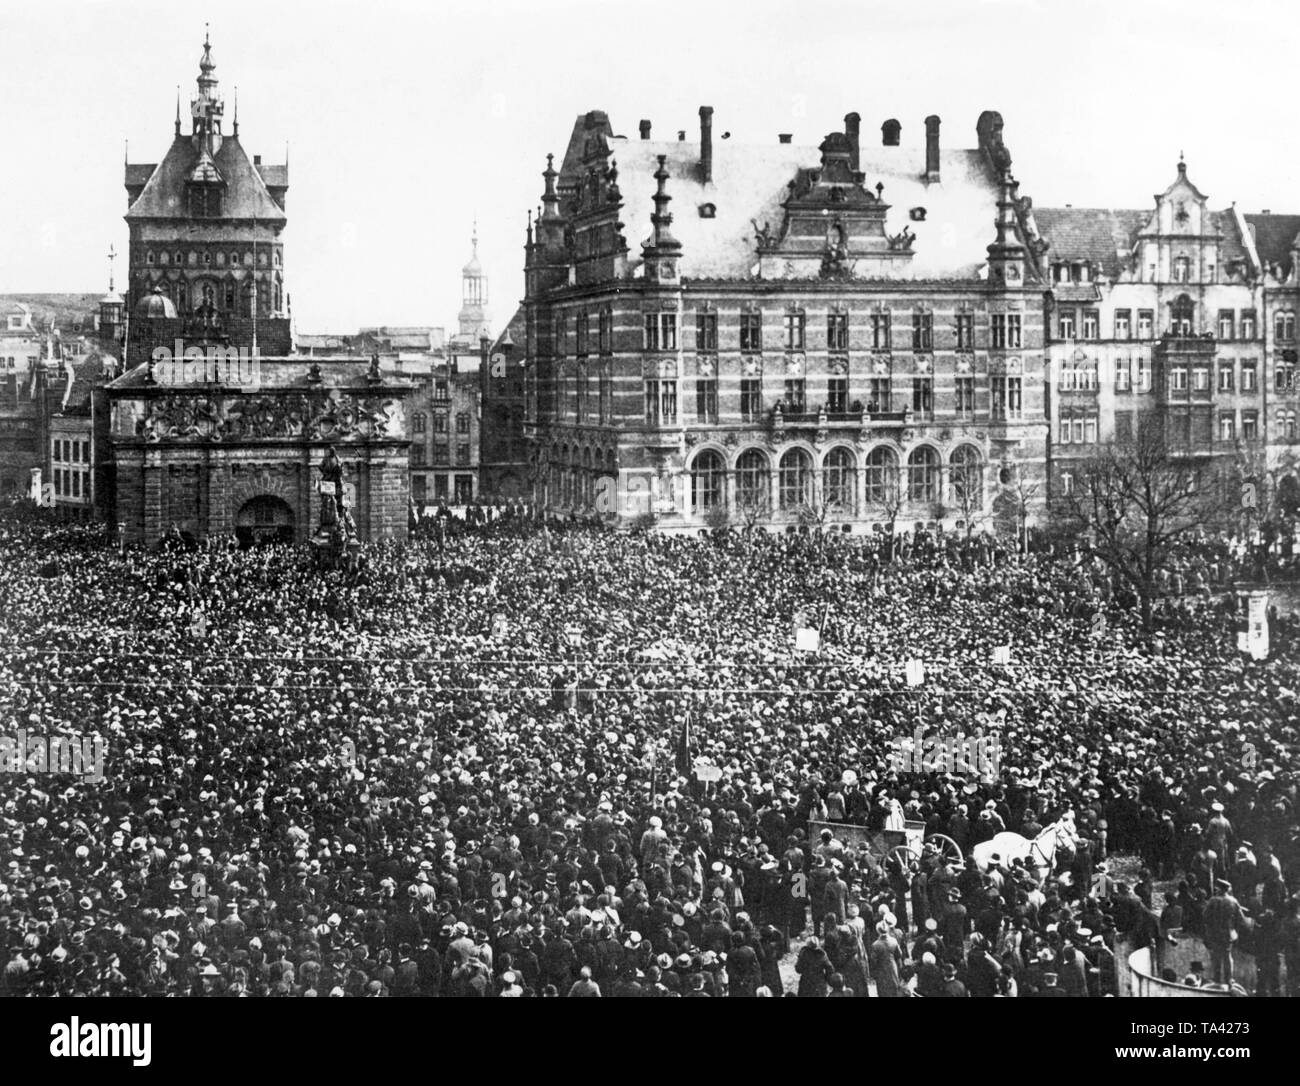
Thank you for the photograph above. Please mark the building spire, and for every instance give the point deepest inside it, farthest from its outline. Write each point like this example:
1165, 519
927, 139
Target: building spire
235, 125
178, 109
662, 217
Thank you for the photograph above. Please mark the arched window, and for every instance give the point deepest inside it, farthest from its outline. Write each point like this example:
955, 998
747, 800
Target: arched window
418, 422
882, 475
707, 474
967, 477
753, 486
1183, 316
923, 475
462, 422
149, 257
838, 481
796, 479
230, 297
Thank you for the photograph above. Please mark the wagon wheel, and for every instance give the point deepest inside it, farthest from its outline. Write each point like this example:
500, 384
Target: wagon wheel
948, 848
903, 856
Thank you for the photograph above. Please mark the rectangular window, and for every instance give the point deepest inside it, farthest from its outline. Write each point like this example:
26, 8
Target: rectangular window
668, 402
751, 331
1090, 430
1065, 327
661, 331
1014, 388
440, 390
880, 395
837, 332
1226, 375
1178, 378
652, 402
965, 387
1006, 330
1146, 323
1227, 324
1078, 431
922, 331
1201, 378
560, 334
751, 398
795, 395
1123, 323
1144, 376
606, 395
1227, 428
1123, 374
1247, 324
706, 399
581, 327
462, 453
923, 397
1249, 425
441, 452
417, 455
1091, 324
706, 332
965, 331
1065, 431
607, 331
880, 331
837, 395
440, 488
58, 484
462, 423
794, 331
1249, 377
1284, 327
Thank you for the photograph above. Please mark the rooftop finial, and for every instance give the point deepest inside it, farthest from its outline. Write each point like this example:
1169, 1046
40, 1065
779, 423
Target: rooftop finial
235, 130
112, 255
474, 237
178, 109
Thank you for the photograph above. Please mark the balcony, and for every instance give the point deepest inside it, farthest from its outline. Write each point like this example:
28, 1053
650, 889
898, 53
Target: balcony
857, 417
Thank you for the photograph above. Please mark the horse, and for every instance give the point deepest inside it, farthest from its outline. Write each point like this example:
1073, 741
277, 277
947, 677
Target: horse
1039, 852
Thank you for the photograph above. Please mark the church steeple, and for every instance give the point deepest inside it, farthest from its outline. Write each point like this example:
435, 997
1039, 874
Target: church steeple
473, 294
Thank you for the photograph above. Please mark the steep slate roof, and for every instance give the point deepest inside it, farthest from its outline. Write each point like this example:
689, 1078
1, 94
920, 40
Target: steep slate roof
246, 193
1099, 234
750, 183
1274, 236
1089, 233
86, 371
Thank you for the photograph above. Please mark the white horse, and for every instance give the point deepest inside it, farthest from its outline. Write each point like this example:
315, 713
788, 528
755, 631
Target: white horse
1039, 852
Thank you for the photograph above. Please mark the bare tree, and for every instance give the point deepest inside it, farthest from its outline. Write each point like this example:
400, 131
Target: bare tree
889, 498
967, 483
1139, 503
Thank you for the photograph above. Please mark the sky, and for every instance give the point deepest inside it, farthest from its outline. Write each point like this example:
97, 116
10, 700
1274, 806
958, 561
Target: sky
405, 121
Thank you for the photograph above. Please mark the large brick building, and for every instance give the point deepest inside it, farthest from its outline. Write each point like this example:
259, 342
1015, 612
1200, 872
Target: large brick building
213, 429
844, 333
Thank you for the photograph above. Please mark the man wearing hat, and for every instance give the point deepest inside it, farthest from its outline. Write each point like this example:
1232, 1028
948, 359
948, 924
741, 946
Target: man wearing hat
1223, 919
1218, 832
952, 987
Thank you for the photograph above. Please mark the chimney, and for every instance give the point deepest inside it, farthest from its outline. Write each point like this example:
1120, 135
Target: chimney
852, 127
889, 133
645, 130
706, 144
257, 160
681, 135
932, 148
785, 137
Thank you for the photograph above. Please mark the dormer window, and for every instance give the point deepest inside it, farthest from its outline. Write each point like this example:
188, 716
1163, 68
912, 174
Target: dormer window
708, 211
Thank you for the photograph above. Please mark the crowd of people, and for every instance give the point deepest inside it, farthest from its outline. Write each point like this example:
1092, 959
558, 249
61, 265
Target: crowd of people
472, 767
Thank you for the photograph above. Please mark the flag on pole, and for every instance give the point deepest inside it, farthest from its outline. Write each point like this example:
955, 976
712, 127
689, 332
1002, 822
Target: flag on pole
684, 759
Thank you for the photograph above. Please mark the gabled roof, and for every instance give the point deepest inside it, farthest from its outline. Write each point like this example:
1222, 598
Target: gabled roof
163, 196
751, 181
1274, 237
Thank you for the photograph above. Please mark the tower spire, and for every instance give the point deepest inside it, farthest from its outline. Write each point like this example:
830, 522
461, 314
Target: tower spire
235, 126
178, 109
112, 255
